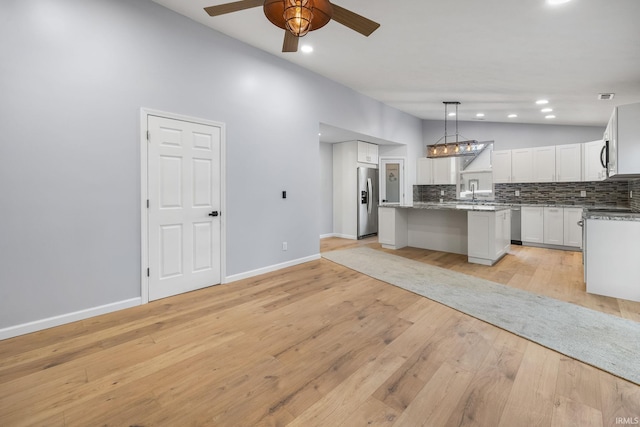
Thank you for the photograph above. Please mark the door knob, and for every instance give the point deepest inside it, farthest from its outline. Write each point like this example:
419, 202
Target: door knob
213, 213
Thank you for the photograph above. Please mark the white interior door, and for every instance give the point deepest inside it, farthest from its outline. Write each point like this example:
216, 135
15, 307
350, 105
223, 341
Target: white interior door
184, 185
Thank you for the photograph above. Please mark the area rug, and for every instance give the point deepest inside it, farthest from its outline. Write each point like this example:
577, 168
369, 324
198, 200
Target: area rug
607, 342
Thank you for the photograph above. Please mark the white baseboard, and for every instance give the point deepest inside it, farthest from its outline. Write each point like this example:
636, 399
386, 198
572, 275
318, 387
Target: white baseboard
38, 325
345, 236
324, 236
270, 268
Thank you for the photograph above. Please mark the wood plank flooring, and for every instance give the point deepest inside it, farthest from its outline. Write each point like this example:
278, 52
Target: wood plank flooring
316, 345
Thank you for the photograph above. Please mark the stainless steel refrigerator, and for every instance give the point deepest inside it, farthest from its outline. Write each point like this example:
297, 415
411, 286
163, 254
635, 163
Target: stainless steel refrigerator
367, 202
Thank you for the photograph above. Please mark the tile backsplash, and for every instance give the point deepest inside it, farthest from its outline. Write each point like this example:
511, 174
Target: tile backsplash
431, 193
600, 193
634, 202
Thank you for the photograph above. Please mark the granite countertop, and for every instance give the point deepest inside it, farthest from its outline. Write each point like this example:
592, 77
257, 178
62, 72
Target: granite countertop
612, 215
615, 213
457, 206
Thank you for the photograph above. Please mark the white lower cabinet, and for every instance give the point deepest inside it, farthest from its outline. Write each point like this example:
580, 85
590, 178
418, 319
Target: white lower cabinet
392, 227
532, 227
612, 252
553, 226
572, 231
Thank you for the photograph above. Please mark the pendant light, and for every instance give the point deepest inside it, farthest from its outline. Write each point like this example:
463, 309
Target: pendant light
457, 148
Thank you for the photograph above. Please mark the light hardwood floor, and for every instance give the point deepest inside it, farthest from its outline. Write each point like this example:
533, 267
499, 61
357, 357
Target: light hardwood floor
316, 345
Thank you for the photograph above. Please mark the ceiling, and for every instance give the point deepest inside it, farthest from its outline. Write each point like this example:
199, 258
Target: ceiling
496, 57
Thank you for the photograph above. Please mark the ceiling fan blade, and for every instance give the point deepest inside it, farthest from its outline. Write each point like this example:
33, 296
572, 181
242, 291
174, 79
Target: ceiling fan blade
290, 43
354, 21
232, 7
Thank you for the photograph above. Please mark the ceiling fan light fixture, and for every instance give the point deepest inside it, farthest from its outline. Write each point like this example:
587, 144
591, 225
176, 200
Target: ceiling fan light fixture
298, 16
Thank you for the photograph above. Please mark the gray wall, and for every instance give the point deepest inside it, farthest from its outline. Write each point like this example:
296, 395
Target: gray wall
73, 77
512, 135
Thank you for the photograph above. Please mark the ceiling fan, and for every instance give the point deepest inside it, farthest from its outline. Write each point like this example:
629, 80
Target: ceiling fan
298, 17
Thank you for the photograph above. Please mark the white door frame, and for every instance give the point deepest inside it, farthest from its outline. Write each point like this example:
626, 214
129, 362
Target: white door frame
144, 196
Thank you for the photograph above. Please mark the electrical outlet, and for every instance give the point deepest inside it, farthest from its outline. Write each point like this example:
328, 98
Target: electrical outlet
631, 194
441, 200
284, 246
442, 192
583, 193
517, 193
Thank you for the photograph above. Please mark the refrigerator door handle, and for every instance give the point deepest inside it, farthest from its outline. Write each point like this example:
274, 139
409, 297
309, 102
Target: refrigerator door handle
369, 191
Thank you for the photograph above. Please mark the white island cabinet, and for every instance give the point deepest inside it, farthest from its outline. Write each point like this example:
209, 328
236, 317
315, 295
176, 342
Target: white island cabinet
392, 227
611, 258
489, 235
480, 232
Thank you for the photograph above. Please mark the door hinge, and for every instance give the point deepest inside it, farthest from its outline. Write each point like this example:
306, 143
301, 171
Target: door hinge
147, 272
148, 136
147, 203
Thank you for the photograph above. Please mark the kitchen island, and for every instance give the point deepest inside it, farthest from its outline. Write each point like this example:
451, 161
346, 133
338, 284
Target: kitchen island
482, 232
611, 253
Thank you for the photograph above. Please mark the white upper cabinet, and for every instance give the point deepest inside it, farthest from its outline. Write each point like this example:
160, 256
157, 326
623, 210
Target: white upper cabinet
424, 171
569, 163
522, 165
593, 169
367, 152
501, 165
436, 171
554, 163
544, 164
444, 171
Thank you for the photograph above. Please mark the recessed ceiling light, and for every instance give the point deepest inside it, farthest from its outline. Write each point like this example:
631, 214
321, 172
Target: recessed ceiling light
546, 110
512, 116
606, 96
542, 101
480, 115
306, 48
557, 2
550, 116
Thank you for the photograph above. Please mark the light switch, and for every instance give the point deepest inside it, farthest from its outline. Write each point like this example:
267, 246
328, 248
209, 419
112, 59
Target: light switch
583, 193
442, 192
517, 193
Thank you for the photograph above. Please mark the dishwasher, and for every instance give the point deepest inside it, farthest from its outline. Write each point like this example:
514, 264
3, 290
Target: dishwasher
516, 232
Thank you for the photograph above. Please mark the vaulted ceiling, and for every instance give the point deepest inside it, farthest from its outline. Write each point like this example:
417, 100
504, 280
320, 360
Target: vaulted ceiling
497, 57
